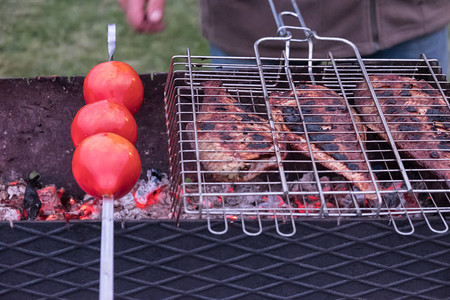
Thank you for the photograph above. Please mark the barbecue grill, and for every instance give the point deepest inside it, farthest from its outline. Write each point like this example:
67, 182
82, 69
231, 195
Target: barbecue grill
299, 186
299, 199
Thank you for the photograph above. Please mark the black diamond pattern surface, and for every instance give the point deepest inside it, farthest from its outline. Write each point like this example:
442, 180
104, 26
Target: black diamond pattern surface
363, 259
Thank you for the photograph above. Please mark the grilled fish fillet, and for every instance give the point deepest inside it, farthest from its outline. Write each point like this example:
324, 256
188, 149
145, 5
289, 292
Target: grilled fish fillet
418, 118
233, 144
331, 133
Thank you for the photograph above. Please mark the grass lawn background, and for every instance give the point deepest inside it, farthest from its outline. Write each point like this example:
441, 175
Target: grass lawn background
68, 37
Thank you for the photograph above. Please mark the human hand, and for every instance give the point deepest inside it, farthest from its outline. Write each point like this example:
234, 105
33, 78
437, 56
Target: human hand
144, 15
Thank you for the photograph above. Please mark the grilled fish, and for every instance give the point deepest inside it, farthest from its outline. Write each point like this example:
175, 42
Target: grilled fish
332, 135
233, 144
418, 118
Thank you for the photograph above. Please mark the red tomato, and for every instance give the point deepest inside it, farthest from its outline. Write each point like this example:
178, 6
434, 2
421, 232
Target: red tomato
103, 116
106, 164
116, 81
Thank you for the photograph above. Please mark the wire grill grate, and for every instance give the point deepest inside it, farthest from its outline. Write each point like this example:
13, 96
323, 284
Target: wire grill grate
398, 182
358, 259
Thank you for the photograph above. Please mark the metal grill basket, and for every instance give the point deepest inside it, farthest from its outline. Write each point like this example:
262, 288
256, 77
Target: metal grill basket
299, 182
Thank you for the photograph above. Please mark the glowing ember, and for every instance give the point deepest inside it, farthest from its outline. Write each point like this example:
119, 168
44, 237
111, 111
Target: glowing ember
395, 186
57, 205
141, 202
50, 199
147, 193
89, 210
232, 218
150, 199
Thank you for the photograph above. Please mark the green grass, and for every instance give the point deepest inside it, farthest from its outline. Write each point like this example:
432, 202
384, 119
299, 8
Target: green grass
68, 37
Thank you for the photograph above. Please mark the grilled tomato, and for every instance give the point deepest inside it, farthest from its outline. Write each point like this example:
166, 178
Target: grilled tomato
106, 164
103, 116
116, 81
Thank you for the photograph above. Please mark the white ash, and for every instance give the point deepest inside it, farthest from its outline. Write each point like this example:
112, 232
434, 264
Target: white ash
17, 189
156, 188
125, 208
9, 214
159, 206
127, 202
90, 209
11, 195
406, 200
229, 198
344, 201
3, 192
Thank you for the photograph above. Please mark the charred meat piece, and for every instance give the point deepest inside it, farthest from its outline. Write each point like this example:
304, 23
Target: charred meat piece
332, 135
418, 118
233, 144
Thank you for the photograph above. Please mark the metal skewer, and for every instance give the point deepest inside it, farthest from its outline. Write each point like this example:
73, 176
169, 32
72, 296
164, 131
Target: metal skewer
107, 241
107, 250
111, 40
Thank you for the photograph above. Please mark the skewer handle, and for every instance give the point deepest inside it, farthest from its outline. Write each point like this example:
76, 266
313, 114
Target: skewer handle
107, 250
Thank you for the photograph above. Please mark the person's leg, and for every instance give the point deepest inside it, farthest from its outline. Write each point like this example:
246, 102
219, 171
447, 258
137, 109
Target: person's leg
433, 45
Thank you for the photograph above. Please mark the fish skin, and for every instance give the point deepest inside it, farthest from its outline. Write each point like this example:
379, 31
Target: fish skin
332, 136
418, 118
234, 145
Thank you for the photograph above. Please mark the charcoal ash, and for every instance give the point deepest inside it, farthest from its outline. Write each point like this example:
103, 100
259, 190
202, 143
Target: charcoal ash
149, 199
247, 198
9, 214
16, 189
400, 201
346, 202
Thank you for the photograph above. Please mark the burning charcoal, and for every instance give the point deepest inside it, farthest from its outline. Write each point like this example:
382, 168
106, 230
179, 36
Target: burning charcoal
148, 199
394, 200
346, 202
31, 202
16, 189
64, 197
89, 210
272, 201
147, 192
55, 217
308, 183
49, 199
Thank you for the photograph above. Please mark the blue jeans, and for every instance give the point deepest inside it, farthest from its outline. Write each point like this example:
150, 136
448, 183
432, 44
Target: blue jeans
433, 45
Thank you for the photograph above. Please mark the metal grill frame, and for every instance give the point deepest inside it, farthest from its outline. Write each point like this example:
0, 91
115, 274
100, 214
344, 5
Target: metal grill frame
201, 68
185, 76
